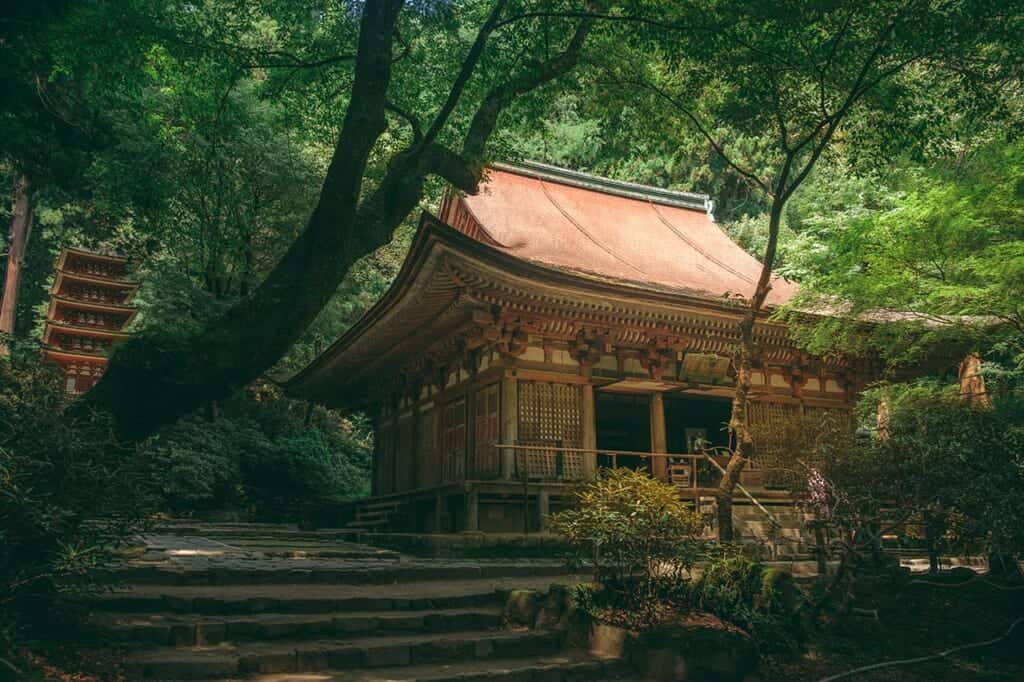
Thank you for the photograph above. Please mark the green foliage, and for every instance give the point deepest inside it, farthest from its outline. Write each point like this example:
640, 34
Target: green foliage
938, 266
637, 531
70, 495
946, 464
258, 450
763, 601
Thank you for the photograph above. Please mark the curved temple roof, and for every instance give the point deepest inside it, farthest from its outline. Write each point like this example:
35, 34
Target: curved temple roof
549, 229
612, 230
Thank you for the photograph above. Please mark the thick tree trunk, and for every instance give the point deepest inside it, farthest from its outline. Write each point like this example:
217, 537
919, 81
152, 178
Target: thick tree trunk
21, 230
745, 359
150, 383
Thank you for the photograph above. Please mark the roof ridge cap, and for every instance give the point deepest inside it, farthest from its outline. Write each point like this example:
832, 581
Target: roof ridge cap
622, 188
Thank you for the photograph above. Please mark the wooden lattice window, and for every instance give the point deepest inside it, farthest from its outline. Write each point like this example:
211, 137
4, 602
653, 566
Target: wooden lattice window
453, 441
766, 413
839, 416
427, 468
762, 416
486, 432
550, 415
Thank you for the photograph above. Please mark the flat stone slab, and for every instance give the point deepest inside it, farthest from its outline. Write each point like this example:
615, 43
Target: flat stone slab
318, 598
573, 666
339, 654
192, 629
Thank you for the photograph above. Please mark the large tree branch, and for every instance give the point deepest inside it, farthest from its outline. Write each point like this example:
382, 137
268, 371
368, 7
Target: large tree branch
465, 72
152, 381
704, 132
533, 76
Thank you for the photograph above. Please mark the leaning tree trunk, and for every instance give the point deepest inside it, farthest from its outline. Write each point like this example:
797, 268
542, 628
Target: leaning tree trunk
21, 229
151, 381
745, 359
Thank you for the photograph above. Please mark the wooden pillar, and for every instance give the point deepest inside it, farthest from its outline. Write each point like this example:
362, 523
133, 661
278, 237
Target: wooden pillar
543, 508
439, 501
414, 447
659, 467
395, 444
377, 454
589, 418
472, 510
509, 424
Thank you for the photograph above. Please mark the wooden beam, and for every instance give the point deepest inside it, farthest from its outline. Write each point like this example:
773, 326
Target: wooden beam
589, 418
659, 467
509, 424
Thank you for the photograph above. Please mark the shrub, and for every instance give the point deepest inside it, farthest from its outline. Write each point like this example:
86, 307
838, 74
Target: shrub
259, 449
70, 495
763, 601
641, 537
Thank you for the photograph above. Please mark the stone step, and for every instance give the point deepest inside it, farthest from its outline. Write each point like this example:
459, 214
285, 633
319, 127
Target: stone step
274, 571
259, 531
199, 630
374, 513
367, 523
196, 663
293, 599
558, 668
389, 505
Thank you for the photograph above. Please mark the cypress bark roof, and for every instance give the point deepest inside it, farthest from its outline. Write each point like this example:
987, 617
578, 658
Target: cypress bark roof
611, 230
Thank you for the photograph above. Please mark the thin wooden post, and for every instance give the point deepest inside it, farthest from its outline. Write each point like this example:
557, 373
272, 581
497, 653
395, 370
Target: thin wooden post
659, 465
543, 507
472, 510
438, 512
589, 417
509, 424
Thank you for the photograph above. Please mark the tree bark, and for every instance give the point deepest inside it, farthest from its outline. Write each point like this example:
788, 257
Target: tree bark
151, 382
21, 230
745, 359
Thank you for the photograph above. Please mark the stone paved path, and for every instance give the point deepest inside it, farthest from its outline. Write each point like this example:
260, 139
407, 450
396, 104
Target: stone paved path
276, 604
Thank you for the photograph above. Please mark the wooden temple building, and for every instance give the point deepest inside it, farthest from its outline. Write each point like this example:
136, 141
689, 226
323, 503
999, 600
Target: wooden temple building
552, 324
90, 307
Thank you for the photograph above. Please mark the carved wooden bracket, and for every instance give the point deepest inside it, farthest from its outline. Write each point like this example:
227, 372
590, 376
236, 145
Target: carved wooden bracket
661, 351
588, 347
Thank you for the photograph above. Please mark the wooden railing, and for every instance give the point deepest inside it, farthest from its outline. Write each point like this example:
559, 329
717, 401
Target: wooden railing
559, 463
535, 463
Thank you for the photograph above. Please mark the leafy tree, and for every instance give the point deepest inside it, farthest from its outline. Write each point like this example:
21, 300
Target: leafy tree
469, 53
812, 74
940, 265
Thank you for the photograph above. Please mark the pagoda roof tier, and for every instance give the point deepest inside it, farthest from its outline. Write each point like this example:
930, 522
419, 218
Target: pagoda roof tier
55, 326
82, 278
86, 254
457, 290
57, 302
606, 229
60, 355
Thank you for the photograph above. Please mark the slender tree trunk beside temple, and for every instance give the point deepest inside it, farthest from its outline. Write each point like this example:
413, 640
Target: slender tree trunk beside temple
21, 228
745, 359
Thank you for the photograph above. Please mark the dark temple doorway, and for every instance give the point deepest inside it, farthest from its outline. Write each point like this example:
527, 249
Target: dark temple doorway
623, 423
690, 419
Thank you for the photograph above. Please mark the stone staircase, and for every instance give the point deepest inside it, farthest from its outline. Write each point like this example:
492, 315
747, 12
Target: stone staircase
243, 615
793, 541
374, 517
